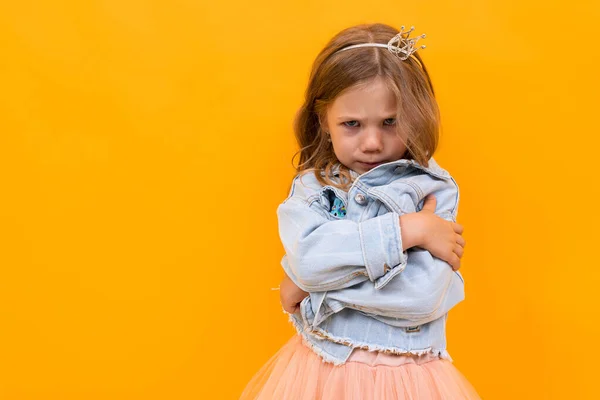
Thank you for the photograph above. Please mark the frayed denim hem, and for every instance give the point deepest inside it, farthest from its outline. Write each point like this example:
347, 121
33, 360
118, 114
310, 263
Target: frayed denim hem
317, 333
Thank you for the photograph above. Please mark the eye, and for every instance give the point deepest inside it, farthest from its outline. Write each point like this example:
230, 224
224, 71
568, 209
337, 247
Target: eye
390, 121
351, 124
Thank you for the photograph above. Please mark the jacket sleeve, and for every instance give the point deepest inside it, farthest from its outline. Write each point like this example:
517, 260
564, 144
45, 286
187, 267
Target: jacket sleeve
426, 289
324, 254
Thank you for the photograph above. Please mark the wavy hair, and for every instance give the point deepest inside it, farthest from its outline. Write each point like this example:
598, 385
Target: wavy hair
417, 117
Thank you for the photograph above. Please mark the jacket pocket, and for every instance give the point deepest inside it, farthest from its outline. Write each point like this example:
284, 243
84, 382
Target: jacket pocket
326, 199
392, 199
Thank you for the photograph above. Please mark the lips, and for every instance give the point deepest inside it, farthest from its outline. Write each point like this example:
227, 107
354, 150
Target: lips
374, 163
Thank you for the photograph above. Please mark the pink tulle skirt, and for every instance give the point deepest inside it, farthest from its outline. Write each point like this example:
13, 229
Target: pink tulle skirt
295, 372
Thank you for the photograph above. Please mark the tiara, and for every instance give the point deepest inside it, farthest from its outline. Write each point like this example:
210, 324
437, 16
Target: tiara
399, 45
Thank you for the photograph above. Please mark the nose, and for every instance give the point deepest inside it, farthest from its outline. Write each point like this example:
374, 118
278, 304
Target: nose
372, 140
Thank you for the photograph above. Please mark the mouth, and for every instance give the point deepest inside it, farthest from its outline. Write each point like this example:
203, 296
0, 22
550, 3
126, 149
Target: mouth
371, 165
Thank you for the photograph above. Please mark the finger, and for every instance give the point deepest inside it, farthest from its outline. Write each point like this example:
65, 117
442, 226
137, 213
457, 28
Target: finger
458, 228
460, 240
455, 263
453, 259
458, 250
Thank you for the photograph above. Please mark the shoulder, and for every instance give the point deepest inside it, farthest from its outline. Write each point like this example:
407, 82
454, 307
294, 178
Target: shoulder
304, 186
423, 178
435, 180
431, 172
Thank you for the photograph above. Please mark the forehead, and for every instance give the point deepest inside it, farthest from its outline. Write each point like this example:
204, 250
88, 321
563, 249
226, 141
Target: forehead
372, 98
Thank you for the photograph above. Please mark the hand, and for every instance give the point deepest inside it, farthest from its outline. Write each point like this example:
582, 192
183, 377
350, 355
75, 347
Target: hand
442, 238
290, 295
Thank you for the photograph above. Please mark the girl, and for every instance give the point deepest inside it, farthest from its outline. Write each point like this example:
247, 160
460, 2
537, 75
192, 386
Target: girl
371, 256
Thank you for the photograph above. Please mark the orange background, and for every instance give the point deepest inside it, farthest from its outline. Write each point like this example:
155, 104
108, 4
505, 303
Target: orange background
145, 146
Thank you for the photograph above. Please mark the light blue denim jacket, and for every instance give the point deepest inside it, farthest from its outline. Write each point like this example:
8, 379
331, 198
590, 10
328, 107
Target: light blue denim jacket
365, 292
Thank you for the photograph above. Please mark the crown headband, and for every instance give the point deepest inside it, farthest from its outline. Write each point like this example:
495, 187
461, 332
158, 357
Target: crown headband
399, 45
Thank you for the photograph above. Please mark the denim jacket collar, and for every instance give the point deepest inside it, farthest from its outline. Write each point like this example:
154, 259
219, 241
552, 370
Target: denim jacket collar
432, 169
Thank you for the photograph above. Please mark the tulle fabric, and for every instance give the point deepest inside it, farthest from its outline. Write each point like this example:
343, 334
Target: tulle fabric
295, 372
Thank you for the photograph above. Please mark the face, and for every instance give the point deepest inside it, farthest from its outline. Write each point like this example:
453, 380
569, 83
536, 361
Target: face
362, 125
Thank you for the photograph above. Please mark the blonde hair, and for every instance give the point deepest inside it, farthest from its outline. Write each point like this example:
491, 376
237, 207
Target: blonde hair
417, 114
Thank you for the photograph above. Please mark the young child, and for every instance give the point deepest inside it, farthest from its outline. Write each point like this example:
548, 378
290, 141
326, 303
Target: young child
371, 255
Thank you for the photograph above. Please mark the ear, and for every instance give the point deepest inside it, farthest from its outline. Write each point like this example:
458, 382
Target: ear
323, 123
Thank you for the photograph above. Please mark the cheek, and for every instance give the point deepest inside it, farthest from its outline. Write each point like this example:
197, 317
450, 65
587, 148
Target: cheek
398, 144
343, 149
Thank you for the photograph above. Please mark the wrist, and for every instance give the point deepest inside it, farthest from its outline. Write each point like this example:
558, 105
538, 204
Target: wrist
412, 232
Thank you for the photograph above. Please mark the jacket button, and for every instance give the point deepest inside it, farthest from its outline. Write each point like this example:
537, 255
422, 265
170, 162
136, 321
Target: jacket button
360, 198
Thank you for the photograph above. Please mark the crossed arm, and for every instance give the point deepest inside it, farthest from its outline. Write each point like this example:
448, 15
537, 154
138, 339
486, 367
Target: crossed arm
332, 256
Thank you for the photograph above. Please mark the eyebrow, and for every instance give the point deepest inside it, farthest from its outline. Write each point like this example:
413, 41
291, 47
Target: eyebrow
345, 117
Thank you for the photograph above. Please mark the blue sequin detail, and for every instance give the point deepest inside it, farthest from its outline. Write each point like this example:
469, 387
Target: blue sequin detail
338, 209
